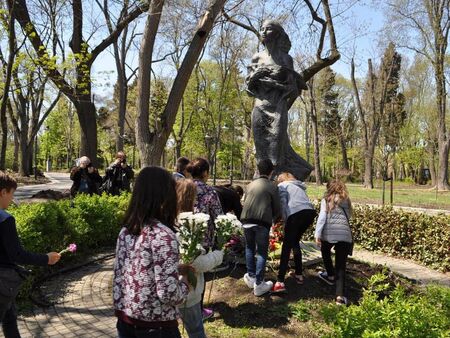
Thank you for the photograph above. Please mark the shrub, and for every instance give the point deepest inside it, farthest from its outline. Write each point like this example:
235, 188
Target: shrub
417, 236
425, 314
89, 221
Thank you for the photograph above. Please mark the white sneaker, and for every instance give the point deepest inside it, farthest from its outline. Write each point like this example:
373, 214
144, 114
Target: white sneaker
250, 281
262, 288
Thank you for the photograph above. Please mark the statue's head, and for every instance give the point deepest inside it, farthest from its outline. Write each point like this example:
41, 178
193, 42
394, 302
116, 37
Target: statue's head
272, 30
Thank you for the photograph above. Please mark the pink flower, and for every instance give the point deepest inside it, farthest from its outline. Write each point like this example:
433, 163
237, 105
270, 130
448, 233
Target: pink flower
71, 248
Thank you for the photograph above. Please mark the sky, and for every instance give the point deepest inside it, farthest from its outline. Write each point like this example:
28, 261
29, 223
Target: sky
357, 30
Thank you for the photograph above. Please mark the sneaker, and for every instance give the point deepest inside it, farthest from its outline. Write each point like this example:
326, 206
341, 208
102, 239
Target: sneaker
341, 300
279, 288
249, 281
262, 288
207, 313
324, 276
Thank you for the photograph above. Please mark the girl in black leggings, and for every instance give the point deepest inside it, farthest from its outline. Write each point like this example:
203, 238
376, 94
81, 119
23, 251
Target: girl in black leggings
333, 230
298, 214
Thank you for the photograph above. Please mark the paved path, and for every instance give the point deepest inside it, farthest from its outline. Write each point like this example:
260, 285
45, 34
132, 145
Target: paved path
59, 182
83, 303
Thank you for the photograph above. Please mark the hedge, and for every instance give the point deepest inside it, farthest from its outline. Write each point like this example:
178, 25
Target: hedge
93, 222
89, 221
417, 236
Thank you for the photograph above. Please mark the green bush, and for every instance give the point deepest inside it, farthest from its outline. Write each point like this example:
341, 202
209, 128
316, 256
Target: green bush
417, 236
426, 314
412, 235
88, 221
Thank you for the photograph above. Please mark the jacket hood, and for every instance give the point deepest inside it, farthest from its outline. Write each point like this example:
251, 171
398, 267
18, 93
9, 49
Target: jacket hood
299, 184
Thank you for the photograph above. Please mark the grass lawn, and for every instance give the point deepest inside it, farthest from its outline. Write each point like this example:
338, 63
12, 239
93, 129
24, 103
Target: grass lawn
238, 313
404, 195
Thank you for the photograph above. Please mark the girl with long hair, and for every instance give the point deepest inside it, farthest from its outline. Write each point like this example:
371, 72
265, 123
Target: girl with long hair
333, 230
298, 214
147, 287
191, 310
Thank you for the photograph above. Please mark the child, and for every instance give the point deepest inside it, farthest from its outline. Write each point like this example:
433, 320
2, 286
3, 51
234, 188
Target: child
298, 214
261, 208
333, 229
11, 254
147, 287
191, 311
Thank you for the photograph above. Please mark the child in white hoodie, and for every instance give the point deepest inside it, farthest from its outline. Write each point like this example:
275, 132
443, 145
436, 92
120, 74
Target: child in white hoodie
298, 214
191, 311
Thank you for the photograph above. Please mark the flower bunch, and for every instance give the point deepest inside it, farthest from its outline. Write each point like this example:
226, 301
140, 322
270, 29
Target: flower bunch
226, 226
236, 245
192, 229
71, 248
276, 236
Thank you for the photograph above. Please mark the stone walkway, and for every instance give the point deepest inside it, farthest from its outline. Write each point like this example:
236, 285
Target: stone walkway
83, 302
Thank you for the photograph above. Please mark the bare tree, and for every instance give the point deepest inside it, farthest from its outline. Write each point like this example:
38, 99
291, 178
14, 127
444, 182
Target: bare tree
151, 143
378, 94
423, 26
80, 92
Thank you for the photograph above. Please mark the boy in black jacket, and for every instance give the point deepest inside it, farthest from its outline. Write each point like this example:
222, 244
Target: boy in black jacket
11, 254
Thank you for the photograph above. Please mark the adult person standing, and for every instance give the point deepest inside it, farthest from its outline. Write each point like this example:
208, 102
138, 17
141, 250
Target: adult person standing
298, 214
333, 230
85, 177
147, 287
275, 85
181, 172
207, 202
11, 254
118, 176
261, 208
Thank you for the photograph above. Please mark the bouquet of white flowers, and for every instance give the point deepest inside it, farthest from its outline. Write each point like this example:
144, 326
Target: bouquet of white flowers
192, 229
226, 226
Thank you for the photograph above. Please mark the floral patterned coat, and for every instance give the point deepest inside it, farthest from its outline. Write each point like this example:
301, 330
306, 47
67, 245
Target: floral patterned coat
146, 284
207, 202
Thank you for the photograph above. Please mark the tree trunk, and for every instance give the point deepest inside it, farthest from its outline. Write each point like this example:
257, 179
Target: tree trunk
123, 94
368, 166
15, 165
315, 130
345, 163
143, 135
88, 125
4, 141
151, 145
25, 156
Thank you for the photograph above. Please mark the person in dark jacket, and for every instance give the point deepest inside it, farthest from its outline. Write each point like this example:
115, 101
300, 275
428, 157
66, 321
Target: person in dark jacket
181, 169
118, 176
11, 254
85, 177
261, 209
229, 199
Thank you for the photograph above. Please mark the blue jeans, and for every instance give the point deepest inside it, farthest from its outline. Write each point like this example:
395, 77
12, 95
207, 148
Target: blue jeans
193, 321
256, 243
130, 331
8, 318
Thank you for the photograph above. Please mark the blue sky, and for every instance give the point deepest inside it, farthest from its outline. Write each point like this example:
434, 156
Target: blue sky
357, 30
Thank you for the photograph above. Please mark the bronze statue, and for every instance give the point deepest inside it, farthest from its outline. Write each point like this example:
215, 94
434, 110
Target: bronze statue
275, 85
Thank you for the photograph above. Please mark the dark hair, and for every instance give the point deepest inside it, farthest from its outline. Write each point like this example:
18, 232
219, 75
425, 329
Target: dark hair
197, 167
154, 197
265, 167
182, 163
7, 182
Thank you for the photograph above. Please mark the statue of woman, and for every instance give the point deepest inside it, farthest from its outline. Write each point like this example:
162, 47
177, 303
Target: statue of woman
275, 85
